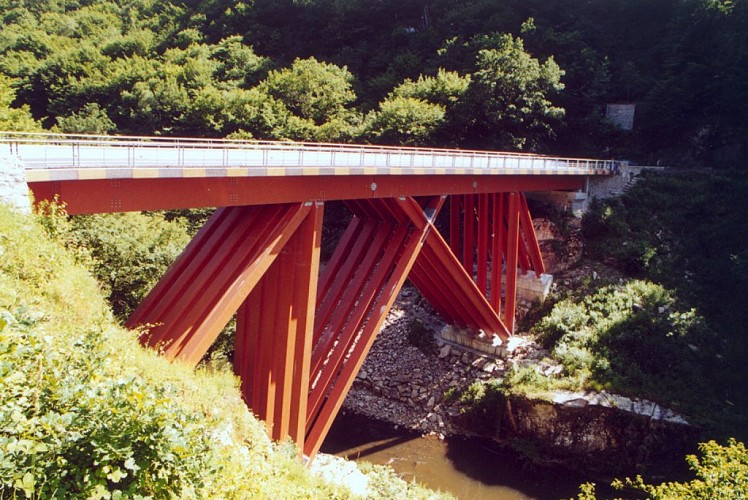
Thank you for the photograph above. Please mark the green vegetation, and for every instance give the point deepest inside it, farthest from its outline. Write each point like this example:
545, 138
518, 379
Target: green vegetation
526, 74
673, 331
688, 234
633, 340
86, 412
14, 119
721, 472
129, 252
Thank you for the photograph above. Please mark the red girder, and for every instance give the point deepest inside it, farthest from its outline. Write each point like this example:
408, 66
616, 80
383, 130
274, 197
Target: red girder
125, 195
483, 236
453, 293
213, 276
301, 340
512, 252
530, 238
498, 226
396, 266
274, 334
497, 245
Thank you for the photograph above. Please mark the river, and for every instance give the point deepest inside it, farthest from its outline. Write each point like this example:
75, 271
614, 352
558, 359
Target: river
468, 468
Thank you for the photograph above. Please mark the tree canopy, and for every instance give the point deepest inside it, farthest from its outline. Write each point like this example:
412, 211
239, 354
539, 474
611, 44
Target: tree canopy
530, 74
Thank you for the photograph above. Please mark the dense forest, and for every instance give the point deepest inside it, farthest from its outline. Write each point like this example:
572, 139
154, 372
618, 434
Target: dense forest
520, 75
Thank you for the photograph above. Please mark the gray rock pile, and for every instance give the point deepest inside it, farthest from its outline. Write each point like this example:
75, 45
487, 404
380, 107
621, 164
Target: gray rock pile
418, 388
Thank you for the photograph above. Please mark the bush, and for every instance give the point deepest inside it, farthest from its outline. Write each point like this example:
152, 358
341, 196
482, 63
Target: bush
634, 339
722, 472
85, 412
130, 252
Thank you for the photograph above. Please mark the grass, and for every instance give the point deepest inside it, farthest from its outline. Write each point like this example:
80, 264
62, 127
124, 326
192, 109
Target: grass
86, 412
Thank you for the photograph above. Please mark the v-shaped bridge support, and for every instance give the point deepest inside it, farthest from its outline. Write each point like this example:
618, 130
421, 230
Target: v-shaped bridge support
302, 336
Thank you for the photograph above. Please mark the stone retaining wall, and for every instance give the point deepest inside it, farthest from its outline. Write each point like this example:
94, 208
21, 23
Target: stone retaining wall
13, 188
616, 185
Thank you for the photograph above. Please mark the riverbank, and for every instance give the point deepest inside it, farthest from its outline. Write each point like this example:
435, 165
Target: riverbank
418, 388
415, 381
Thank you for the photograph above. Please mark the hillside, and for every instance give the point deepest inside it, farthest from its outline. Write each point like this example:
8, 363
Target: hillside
532, 75
86, 412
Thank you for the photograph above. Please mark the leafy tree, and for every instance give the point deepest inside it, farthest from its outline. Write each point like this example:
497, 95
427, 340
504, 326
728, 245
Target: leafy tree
14, 119
255, 113
92, 119
447, 88
136, 42
312, 90
237, 62
316, 95
404, 120
508, 103
721, 472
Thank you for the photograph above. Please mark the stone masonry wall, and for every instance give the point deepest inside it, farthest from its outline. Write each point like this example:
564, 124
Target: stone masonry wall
616, 185
13, 188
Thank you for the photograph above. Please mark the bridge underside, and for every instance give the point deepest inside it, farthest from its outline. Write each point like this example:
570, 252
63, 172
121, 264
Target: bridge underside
101, 195
302, 335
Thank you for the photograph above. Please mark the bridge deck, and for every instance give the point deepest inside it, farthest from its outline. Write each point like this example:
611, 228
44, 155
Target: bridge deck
104, 174
62, 158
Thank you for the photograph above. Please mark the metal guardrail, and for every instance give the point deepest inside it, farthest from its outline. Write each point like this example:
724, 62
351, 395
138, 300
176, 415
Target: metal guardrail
41, 151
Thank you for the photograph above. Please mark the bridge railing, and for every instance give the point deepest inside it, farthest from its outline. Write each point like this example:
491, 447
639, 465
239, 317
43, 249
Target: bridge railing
56, 151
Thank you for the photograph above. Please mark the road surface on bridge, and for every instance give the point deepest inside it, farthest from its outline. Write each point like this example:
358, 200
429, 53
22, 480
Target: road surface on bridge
61, 158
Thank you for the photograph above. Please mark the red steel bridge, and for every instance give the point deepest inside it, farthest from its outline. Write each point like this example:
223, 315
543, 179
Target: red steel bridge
304, 329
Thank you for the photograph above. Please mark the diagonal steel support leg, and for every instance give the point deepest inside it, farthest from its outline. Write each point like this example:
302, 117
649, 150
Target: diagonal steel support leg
442, 279
274, 334
506, 234
362, 301
193, 302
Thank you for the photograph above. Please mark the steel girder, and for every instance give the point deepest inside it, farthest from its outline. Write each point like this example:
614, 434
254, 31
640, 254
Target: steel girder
494, 233
301, 339
86, 196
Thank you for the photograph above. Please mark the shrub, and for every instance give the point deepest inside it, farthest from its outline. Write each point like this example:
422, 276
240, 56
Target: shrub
130, 252
721, 472
633, 339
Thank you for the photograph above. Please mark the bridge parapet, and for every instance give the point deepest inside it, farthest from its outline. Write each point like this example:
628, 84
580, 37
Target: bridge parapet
54, 157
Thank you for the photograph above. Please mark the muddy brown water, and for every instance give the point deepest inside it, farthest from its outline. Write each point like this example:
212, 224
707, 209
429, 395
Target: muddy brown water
468, 468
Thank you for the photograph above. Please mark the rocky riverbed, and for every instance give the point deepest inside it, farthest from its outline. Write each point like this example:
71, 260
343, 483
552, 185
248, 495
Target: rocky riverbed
411, 386
406, 385
413, 379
